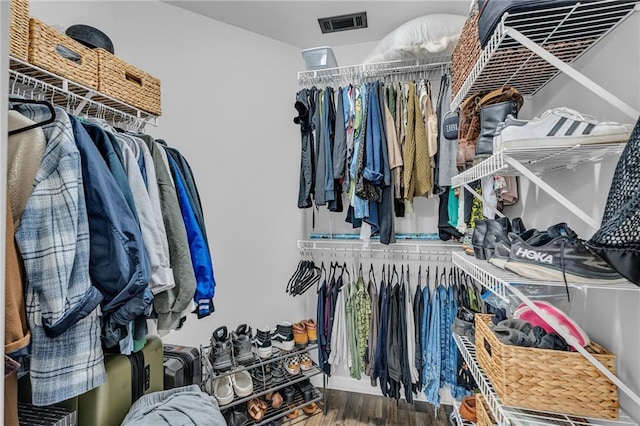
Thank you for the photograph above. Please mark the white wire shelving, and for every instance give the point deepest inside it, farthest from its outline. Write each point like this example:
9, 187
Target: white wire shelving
501, 282
441, 250
33, 82
528, 49
533, 162
510, 416
389, 71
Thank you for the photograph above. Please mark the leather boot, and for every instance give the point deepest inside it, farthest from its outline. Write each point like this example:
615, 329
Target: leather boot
490, 117
478, 239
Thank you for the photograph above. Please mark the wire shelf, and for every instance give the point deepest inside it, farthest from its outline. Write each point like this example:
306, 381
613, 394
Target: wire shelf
566, 32
441, 248
392, 70
298, 404
539, 160
36, 83
500, 282
507, 416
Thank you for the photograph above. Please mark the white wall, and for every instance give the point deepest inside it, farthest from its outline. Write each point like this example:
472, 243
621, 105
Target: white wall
610, 317
227, 98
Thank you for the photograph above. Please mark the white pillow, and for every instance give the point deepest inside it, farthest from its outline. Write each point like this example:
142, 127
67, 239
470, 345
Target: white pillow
419, 39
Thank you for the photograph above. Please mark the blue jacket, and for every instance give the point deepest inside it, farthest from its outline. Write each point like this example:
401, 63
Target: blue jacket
118, 261
200, 256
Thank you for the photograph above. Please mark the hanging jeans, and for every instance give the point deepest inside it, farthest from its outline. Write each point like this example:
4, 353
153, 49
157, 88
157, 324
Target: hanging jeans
432, 364
380, 357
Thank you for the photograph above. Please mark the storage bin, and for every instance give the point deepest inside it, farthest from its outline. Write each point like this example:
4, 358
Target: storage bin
465, 54
55, 52
19, 29
483, 412
547, 380
319, 58
127, 83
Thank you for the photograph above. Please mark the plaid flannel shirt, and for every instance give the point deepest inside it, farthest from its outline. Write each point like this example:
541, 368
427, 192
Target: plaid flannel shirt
53, 239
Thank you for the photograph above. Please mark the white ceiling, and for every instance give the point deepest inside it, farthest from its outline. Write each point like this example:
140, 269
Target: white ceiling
296, 22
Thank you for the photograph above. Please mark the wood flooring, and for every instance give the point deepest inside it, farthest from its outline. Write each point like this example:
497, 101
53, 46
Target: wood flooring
356, 409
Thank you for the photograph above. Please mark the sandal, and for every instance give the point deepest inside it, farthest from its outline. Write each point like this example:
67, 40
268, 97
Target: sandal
292, 414
311, 408
255, 410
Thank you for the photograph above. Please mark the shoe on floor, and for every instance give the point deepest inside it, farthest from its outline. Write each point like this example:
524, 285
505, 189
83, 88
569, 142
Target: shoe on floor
564, 256
558, 127
263, 342
282, 337
221, 349
241, 339
222, 389
242, 383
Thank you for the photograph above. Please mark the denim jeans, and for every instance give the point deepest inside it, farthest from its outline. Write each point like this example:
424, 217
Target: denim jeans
433, 359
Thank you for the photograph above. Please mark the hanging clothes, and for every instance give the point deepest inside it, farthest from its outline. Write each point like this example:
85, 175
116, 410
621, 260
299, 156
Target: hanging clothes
71, 363
410, 331
307, 157
426, 328
323, 355
418, 310
416, 159
171, 304
372, 289
363, 319
394, 343
433, 360
352, 326
380, 367
340, 354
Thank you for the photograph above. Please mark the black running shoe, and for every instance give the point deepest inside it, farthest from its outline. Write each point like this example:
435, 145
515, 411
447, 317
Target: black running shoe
564, 257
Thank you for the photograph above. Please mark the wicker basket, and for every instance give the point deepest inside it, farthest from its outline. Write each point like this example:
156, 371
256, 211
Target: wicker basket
127, 83
483, 412
465, 54
47, 47
540, 379
19, 29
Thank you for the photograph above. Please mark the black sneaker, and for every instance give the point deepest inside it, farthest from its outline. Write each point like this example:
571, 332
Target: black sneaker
282, 337
263, 342
241, 338
221, 349
564, 257
503, 247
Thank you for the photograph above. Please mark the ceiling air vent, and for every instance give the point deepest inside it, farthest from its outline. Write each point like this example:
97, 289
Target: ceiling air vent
352, 21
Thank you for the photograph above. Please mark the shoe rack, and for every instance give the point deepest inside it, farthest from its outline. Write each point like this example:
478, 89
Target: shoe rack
261, 388
527, 51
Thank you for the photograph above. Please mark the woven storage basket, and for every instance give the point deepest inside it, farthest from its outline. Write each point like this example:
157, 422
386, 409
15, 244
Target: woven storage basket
47, 47
483, 412
127, 83
548, 380
19, 29
465, 54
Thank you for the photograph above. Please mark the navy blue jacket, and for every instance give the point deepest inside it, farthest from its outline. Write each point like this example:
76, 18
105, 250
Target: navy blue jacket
118, 262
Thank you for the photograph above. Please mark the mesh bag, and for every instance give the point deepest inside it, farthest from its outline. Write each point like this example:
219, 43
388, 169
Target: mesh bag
618, 239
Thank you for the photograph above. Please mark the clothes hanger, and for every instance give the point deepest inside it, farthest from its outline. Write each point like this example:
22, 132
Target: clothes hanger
49, 120
372, 276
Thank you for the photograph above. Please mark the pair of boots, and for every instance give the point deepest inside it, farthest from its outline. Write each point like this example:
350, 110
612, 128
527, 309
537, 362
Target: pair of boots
490, 232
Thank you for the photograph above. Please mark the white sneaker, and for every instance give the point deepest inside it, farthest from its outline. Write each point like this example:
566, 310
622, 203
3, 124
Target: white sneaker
221, 388
558, 127
242, 383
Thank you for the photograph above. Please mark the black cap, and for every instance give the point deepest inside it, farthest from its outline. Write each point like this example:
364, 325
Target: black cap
90, 37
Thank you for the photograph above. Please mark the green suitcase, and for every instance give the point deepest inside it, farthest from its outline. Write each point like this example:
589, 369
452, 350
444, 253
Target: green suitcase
128, 378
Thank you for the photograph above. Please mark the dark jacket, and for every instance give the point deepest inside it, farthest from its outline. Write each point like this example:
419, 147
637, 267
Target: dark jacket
118, 262
103, 141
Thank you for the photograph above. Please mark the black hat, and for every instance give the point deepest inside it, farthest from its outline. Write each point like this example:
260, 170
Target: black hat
90, 37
